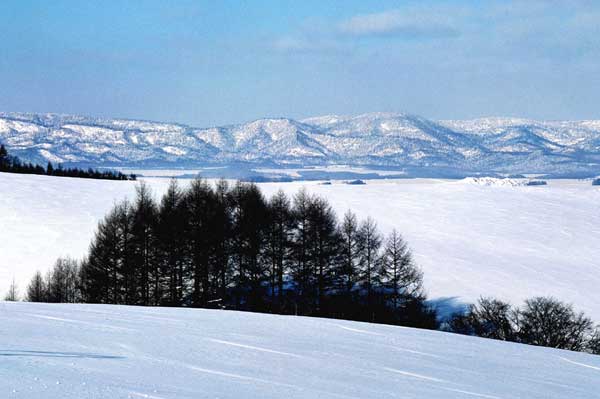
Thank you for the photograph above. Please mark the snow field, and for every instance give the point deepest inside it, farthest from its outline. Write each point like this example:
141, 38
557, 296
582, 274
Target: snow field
469, 239
108, 351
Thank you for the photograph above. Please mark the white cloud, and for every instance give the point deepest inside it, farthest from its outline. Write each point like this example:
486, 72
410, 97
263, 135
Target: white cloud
409, 23
300, 44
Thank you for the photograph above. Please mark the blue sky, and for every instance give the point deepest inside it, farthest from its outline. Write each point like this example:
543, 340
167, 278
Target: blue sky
216, 62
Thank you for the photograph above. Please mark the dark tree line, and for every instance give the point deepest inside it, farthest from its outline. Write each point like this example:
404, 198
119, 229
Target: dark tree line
541, 321
12, 164
230, 247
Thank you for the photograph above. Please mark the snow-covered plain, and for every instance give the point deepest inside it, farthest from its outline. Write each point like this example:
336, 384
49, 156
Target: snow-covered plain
105, 351
511, 242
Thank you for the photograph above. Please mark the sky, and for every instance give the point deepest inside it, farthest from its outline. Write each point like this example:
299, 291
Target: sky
207, 63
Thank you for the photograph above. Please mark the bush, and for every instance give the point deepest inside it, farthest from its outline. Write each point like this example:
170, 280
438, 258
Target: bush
542, 321
537, 183
593, 344
549, 322
489, 318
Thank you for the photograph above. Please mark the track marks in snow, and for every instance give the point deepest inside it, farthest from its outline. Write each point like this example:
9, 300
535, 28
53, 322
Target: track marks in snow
252, 380
439, 381
416, 352
240, 377
53, 318
414, 375
77, 355
579, 364
87, 323
255, 348
143, 395
469, 393
359, 330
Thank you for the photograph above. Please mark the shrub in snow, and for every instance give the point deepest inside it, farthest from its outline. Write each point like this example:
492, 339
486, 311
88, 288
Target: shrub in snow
549, 322
542, 321
356, 182
489, 318
536, 183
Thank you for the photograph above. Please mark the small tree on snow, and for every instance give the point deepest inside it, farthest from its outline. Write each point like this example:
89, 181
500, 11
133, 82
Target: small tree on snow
36, 290
398, 274
13, 292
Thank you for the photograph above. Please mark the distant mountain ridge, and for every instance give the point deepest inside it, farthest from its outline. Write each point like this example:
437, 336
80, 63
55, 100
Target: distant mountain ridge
386, 140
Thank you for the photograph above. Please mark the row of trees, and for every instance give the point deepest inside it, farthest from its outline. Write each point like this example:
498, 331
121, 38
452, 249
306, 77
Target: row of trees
229, 246
10, 163
542, 321
61, 284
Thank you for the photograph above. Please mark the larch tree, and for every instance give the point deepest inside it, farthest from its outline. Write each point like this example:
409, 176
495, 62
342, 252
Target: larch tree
279, 243
347, 273
12, 295
143, 231
170, 234
36, 290
369, 244
398, 275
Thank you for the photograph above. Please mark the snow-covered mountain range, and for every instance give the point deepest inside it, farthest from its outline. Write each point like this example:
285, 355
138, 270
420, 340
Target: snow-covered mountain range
402, 141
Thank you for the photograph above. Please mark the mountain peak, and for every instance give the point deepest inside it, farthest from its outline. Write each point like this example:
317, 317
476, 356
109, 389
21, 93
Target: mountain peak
380, 139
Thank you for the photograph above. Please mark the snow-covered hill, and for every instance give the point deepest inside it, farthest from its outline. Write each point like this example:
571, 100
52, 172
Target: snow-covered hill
379, 139
104, 351
507, 241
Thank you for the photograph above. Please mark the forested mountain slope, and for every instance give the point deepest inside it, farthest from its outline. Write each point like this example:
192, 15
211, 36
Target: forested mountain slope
400, 141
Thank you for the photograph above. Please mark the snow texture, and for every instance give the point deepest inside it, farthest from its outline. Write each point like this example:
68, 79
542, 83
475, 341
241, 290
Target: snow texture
106, 351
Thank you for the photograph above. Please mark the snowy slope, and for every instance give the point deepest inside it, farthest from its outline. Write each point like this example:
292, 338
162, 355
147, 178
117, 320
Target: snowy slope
103, 351
282, 139
75, 139
501, 145
509, 241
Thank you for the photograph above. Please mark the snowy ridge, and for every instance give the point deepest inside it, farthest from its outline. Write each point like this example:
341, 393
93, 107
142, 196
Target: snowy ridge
486, 145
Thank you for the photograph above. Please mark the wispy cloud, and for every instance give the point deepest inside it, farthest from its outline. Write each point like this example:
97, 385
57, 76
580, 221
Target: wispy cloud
303, 44
406, 23
409, 23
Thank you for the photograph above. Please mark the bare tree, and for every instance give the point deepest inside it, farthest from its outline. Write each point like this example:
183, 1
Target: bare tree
489, 318
62, 282
549, 322
13, 292
593, 343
